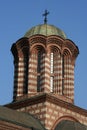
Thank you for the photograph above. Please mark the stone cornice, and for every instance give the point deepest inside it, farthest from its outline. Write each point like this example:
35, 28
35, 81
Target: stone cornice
43, 98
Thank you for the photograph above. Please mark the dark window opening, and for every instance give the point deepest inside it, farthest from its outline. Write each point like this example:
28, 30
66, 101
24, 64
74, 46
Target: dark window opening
38, 71
26, 77
63, 74
39, 63
38, 83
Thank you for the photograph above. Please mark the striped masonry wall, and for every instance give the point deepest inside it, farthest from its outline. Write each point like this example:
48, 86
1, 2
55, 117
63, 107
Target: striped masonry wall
32, 73
47, 72
19, 77
44, 67
68, 77
42, 72
50, 113
57, 88
50, 77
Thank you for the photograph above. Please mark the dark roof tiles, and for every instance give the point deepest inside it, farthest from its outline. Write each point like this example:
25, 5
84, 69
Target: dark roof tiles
20, 118
70, 125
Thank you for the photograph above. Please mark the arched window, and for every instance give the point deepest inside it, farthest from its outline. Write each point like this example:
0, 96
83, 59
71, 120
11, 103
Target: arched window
51, 71
55, 69
36, 69
39, 59
68, 75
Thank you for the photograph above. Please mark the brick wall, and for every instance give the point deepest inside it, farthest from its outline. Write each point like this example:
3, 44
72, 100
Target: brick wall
44, 64
50, 114
38, 110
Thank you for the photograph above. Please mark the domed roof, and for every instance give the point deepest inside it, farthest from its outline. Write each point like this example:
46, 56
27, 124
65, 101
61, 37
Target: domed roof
45, 29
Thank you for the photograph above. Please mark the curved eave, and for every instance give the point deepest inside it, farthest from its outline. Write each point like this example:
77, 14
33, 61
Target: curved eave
73, 44
75, 50
18, 45
25, 43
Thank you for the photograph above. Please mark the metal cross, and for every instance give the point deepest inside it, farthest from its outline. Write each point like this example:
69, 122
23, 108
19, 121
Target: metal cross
45, 15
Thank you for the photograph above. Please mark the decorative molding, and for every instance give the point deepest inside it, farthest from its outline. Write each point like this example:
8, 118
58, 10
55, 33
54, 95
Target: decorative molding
43, 97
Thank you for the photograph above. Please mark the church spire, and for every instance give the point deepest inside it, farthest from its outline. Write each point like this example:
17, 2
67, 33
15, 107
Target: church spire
45, 16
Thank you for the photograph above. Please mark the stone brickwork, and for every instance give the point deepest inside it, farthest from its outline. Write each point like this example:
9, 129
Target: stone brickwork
50, 114
44, 64
54, 113
38, 110
44, 79
50, 110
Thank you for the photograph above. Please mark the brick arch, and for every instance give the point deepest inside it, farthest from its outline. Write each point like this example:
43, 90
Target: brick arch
37, 39
70, 118
68, 73
38, 47
55, 40
72, 47
20, 48
55, 67
36, 68
66, 52
53, 47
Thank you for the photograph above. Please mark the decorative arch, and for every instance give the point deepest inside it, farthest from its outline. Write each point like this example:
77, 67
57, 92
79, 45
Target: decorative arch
53, 47
67, 117
38, 47
68, 73
20, 51
66, 52
55, 67
72, 47
36, 68
41, 39
20, 48
57, 40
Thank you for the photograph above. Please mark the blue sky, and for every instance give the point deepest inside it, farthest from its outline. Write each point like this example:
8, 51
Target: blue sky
16, 17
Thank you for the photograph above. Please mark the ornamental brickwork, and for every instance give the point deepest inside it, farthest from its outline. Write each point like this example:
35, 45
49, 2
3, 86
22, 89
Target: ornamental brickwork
44, 64
43, 96
50, 110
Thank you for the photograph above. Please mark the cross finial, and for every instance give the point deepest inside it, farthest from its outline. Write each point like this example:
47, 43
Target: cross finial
45, 15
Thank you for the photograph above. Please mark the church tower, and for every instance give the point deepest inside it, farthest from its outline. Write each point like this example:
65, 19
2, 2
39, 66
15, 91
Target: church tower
44, 61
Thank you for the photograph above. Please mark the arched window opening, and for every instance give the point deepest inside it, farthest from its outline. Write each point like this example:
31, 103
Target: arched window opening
25, 69
38, 62
40, 54
38, 70
63, 74
51, 62
26, 76
51, 71
54, 69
